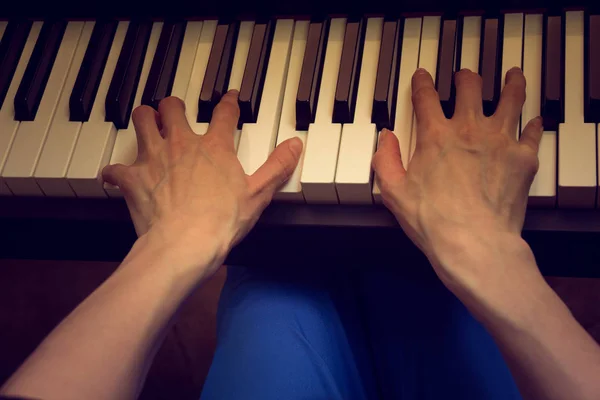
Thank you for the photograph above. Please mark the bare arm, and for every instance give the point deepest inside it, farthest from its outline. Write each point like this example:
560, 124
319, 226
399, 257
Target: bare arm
462, 200
104, 348
550, 355
190, 202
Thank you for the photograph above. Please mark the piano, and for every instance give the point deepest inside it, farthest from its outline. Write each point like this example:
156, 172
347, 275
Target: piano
331, 73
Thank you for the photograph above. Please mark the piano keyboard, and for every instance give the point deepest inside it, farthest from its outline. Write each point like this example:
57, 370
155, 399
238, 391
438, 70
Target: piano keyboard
67, 91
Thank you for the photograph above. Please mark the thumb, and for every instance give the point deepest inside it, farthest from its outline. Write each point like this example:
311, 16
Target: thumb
276, 170
532, 134
387, 162
115, 175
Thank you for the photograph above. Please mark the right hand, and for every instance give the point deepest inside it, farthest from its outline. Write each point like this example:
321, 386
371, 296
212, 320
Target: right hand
465, 190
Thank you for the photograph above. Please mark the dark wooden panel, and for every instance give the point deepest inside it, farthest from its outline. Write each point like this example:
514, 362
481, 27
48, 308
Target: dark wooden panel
565, 241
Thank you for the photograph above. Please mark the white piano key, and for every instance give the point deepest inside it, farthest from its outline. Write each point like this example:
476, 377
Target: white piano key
353, 174
258, 139
292, 190
543, 188
241, 54
512, 46
323, 139
471, 38
239, 65
125, 149
56, 153
195, 85
97, 136
193, 29
8, 125
576, 139
430, 38
24, 154
403, 119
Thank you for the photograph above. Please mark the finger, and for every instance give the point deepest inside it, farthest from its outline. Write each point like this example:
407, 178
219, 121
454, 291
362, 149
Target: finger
532, 134
172, 116
387, 162
425, 98
469, 102
225, 119
276, 170
146, 130
115, 174
512, 99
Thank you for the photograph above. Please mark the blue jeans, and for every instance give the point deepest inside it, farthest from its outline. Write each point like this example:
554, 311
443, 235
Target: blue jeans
349, 334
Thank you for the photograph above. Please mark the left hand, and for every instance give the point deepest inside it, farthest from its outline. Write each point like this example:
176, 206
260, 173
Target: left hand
186, 190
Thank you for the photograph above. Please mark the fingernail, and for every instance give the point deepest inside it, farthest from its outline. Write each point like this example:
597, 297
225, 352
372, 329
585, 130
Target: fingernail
539, 122
234, 92
383, 132
421, 71
296, 146
512, 72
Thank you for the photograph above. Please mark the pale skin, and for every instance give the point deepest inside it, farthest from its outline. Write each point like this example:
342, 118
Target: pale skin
462, 200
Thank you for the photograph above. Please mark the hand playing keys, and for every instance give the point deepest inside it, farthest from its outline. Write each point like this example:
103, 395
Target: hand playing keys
189, 188
468, 181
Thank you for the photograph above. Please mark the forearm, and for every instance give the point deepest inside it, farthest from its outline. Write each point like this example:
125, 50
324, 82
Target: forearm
104, 348
550, 355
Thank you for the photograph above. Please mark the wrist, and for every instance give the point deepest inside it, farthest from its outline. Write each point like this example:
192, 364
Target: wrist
187, 257
486, 271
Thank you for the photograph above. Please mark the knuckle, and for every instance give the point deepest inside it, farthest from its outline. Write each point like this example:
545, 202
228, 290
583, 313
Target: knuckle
387, 188
127, 178
467, 77
119, 174
377, 159
142, 112
468, 132
424, 93
286, 168
284, 163
530, 161
517, 94
177, 145
385, 185
169, 102
227, 109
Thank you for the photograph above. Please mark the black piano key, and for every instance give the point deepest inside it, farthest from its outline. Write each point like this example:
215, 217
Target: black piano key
490, 63
35, 78
592, 68
164, 65
311, 73
445, 66
11, 47
91, 70
122, 89
386, 81
218, 69
552, 102
347, 84
255, 72
460, 21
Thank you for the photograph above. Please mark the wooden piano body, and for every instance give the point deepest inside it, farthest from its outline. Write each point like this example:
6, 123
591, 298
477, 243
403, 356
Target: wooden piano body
566, 242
